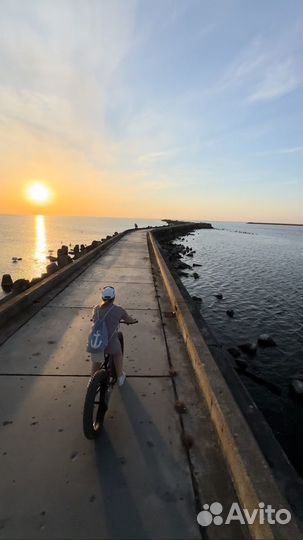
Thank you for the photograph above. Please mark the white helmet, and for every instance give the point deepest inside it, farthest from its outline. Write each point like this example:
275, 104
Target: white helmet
108, 293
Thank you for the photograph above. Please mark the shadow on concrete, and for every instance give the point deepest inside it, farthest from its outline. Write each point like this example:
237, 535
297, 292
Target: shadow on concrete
120, 508
155, 473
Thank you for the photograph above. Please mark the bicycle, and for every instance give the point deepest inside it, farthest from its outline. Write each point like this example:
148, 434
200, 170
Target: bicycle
98, 395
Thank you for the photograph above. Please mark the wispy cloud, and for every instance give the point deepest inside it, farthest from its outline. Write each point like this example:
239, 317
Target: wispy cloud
263, 71
293, 150
279, 79
157, 156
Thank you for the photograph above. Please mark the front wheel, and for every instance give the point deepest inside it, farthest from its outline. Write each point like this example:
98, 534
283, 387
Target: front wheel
95, 405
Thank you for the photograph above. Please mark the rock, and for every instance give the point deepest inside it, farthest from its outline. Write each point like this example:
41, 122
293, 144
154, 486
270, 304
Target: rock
196, 299
249, 348
296, 387
19, 258
7, 283
82, 247
76, 251
20, 285
35, 280
62, 251
230, 312
64, 260
266, 341
219, 296
235, 353
190, 255
95, 243
52, 268
195, 275
263, 382
183, 274
241, 364
196, 264
51, 258
115, 233
182, 266
299, 376
174, 256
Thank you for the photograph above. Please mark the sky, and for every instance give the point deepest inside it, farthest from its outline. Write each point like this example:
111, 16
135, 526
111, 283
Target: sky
153, 108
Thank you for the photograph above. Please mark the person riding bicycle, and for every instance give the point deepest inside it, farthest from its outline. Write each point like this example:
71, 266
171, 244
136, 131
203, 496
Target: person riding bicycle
114, 315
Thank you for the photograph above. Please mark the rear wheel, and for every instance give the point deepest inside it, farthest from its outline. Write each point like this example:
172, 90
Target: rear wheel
95, 405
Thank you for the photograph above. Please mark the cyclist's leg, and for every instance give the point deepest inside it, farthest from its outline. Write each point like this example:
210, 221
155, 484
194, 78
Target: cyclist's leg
118, 361
96, 359
95, 367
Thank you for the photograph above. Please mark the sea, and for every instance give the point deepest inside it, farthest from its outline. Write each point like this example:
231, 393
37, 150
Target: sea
259, 271
257, 268
33, 238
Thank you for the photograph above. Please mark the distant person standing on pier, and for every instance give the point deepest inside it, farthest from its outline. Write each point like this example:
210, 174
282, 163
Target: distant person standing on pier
114, 315
136, 226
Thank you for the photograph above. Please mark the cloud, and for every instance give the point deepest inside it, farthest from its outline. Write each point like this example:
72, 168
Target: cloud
279, 79
263, 71
292, 150
156, 156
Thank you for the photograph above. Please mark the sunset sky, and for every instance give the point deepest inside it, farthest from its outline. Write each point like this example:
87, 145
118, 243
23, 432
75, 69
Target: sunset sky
152, 108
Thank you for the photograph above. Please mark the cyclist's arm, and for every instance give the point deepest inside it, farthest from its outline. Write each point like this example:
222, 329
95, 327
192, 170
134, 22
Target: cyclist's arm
94, 315
128, 319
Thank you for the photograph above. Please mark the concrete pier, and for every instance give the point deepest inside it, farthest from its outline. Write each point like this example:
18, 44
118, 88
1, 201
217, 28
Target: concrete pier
139, 480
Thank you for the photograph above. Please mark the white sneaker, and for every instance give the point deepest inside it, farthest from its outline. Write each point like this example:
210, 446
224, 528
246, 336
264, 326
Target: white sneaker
121, 379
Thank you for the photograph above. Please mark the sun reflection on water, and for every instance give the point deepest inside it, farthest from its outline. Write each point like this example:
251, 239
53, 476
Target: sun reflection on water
40, 239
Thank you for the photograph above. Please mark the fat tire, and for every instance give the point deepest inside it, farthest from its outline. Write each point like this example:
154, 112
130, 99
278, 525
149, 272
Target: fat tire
98, 381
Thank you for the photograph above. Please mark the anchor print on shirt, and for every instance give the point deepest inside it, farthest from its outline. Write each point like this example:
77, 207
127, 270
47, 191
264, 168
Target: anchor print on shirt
96, 340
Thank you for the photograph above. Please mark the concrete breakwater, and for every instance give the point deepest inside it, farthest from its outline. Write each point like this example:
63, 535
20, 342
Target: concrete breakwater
174, 440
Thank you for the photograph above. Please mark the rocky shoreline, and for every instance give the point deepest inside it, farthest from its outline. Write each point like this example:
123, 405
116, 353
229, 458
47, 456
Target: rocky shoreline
65, 256
180, 261
176, 254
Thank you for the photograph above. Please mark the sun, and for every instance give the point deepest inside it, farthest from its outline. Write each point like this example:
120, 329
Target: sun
39, 193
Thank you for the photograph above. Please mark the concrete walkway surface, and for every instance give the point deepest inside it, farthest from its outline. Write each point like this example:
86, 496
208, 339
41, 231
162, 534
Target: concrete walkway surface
137, 480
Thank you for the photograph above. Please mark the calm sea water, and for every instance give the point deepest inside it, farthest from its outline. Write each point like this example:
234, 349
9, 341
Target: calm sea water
32, 238
260, 275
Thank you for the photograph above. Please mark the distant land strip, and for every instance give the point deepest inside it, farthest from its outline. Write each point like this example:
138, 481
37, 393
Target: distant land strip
287, 224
